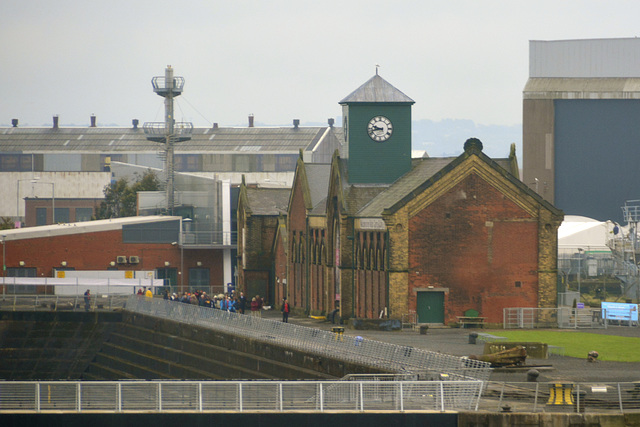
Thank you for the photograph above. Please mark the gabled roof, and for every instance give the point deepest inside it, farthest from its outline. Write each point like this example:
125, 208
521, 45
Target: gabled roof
318, 181
421, 170
425, 172
267, 201
377, 89
396, 200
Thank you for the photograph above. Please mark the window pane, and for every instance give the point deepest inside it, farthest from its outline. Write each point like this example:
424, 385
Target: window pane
83, 214
62, 215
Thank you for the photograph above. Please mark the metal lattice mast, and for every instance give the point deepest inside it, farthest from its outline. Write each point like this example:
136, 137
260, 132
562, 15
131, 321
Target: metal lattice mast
170, 132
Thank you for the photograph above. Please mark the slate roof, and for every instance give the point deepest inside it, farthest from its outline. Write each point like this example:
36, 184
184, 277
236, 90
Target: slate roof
207, 140
318, 178
268, 201
421, 170
376, 89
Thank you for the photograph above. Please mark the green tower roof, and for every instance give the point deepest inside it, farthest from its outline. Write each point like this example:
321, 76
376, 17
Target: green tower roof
376, 89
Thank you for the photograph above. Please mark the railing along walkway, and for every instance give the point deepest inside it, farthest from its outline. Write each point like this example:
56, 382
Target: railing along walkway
239, 396
348, 348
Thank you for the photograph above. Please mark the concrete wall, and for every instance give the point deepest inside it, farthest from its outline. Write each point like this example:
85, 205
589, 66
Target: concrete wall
307, 419
266, 358
65, 184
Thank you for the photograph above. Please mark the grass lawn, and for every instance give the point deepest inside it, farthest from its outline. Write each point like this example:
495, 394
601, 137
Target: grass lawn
579, 344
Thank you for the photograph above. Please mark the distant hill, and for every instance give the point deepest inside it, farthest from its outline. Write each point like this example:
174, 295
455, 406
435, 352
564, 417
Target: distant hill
446, 137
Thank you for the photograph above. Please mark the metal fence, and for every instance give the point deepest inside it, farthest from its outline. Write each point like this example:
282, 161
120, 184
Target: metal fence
279, 396
239, 396
561, 317
354, 349
60, 302
561, 397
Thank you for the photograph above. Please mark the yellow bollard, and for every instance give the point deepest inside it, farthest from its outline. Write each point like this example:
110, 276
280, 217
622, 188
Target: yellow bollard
561, 394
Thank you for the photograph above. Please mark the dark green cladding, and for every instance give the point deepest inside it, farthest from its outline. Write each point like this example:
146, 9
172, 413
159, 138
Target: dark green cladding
378, 162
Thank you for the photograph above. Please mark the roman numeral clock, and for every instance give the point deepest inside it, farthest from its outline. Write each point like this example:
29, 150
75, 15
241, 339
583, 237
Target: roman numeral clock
380, 128
377, 131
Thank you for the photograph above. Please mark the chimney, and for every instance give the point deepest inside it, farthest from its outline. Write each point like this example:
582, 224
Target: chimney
135, 122
93, 120
55, 122
296, 123
331, 121
250, 120
14, 123
215, 126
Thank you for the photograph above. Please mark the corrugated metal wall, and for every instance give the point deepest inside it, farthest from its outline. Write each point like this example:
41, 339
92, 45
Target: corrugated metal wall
585, 58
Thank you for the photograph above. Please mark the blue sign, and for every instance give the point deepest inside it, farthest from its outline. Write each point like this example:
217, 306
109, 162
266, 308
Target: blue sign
619, 311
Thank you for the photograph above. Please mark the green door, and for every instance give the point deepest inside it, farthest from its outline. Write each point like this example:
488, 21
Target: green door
430, 307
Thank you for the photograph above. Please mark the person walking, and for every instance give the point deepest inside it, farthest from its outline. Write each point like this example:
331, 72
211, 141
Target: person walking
285, 310
242, 303
87, 300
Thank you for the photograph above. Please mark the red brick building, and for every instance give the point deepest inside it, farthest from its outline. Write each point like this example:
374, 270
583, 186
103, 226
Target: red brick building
134, 245
39, 211
258, 213
380, 235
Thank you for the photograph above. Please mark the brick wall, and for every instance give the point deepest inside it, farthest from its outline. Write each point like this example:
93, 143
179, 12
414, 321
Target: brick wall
94, 251
480, 245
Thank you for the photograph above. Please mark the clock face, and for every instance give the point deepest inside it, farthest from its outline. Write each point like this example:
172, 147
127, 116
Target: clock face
380, 128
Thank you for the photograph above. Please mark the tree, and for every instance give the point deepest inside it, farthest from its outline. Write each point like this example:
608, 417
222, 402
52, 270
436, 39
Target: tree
120, 198
6, 223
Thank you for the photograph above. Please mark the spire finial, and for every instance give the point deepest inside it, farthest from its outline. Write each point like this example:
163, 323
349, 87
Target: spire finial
377, 66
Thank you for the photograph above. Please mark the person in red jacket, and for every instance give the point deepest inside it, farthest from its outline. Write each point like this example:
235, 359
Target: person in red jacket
254, 307
285, 310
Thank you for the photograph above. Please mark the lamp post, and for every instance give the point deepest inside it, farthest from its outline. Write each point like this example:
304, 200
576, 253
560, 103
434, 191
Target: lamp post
4, 258
53, 198
36, 181
579, 268
18, 195
183, 224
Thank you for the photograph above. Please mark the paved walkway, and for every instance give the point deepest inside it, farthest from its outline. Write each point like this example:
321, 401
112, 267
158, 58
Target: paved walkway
455, 341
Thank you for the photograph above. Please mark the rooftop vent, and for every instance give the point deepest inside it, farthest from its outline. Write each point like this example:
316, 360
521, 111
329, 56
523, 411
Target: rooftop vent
250, 120
296, 123
93, 120
55, 122
135, 123
331, 121
14, 123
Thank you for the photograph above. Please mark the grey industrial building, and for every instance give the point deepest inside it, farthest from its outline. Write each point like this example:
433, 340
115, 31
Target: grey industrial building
581, 124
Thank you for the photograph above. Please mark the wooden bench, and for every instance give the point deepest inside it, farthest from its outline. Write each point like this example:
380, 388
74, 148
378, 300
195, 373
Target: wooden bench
468, 320
489, 337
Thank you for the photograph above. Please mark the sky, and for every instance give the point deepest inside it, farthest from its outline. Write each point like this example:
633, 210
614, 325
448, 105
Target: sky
280, 59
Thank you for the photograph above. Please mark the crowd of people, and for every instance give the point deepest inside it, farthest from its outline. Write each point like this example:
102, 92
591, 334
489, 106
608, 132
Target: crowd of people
229, 301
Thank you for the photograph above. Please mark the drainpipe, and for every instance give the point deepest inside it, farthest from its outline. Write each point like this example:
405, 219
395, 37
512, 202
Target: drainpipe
387, 269
353, 269
306, 267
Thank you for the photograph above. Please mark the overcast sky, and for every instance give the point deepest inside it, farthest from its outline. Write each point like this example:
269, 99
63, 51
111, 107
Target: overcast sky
279, 59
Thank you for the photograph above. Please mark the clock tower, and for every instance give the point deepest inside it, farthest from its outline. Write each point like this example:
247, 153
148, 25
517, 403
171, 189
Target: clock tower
377, 131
